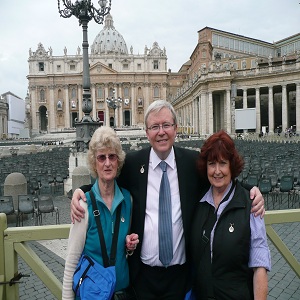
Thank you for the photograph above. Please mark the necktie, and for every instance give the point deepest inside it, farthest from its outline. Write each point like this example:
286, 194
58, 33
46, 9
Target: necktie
165, 219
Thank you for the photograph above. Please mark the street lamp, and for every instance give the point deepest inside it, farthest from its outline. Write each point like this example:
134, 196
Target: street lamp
85, 11
114, 103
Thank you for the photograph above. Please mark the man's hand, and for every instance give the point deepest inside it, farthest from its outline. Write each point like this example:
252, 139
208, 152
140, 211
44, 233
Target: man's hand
258, 207
77, 212
131, 241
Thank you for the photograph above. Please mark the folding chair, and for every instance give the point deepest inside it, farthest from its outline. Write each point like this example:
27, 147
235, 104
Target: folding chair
46, 205
287, 188
7, 206
265, 188
26, 206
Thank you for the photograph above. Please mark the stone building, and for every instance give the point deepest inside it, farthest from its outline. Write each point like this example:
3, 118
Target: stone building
55, 83
3, 117
12, 115
229, 74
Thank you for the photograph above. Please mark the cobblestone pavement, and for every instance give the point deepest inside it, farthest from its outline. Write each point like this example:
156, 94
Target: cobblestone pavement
283, 282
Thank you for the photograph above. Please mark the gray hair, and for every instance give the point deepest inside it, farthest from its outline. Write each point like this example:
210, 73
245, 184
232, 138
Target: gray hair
156, 106
104, 138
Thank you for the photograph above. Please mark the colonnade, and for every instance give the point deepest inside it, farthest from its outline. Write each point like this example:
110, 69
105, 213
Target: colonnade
212, 110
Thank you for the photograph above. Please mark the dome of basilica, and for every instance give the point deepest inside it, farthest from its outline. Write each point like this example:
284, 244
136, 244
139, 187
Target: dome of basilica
109, 40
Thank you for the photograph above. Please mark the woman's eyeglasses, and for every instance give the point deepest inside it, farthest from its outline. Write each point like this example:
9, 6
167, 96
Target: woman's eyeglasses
102, 157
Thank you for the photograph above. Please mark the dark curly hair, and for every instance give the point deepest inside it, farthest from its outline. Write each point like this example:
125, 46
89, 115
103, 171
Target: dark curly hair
217, 147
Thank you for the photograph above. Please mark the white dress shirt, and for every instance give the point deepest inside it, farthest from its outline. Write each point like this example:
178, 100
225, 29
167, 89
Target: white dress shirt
150, 250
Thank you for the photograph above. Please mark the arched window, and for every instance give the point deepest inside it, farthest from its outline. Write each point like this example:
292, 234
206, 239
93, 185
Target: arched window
126, 92
42, 95
73, 93
59, 94
100, 93
156, 92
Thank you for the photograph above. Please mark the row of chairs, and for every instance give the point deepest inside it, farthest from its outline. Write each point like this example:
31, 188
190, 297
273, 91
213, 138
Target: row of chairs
28, 205
276, 190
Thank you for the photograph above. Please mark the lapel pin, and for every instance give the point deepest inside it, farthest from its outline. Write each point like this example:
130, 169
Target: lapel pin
231, 228
142, 170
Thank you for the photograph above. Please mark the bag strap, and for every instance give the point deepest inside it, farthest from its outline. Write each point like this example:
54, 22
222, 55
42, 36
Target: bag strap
107, 262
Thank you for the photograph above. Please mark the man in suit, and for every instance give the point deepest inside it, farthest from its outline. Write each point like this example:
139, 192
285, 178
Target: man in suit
141, 175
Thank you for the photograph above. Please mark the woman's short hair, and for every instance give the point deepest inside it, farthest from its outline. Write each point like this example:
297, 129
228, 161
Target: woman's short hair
217, 147
104, 138
156, 106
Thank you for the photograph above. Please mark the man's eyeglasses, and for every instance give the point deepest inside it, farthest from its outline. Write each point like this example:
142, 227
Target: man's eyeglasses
165, 127
102, 158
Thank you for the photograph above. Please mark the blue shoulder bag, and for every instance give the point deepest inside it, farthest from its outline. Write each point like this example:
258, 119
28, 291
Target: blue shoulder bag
91, 280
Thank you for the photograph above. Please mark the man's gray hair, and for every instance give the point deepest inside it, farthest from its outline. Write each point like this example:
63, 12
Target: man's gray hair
156, 106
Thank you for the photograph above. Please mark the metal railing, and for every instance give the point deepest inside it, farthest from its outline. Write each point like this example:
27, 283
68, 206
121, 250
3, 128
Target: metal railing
13, 242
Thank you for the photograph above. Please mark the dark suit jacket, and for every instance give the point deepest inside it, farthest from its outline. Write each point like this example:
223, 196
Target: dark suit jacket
135, 181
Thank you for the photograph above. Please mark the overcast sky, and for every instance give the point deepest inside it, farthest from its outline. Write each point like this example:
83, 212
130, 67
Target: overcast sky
171, 23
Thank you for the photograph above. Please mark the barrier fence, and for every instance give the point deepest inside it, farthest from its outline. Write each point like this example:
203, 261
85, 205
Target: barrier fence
13, 243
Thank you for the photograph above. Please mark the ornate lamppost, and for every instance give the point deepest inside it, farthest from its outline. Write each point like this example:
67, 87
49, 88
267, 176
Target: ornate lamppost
85, 11
114, 103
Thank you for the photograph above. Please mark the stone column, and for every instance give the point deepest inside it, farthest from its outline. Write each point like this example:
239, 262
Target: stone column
52, 110
298, 107
257, 105
284, 111
245, 102
210, 113
106, 122
117, 111
120, 109
196, 114
34, 101
133, 104
67, 107
93, 98
271, 111
147, 95
203, 113
228, 112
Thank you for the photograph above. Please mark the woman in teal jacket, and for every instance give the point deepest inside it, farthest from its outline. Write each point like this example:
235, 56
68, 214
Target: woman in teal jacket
105, 159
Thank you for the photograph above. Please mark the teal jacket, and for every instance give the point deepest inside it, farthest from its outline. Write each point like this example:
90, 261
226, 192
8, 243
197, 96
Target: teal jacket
107, 218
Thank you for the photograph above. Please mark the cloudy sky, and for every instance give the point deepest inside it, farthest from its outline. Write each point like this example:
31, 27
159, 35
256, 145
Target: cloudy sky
171, 23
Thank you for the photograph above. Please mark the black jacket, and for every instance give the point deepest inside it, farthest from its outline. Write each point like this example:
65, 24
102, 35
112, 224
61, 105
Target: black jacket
132, 179
231, 277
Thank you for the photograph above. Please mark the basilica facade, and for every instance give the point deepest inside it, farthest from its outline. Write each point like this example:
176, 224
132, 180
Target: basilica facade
228, 77
55, 83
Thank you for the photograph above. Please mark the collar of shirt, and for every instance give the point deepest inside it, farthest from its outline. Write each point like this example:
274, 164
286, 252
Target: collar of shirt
208, 197
155, 160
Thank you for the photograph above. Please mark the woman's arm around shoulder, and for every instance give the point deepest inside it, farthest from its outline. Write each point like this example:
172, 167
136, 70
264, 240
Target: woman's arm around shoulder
76, 242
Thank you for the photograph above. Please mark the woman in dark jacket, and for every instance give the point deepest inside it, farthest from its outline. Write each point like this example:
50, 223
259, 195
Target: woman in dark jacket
229, 245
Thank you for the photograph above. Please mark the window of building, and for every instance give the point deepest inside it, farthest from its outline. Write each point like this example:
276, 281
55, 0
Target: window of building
41, 66
42, 95
111, 93
204, 54
110, 66
72, 67
125, 66
155, 64
58, 68
100, 93
156, 92
126, 92
73, 93
139, 66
